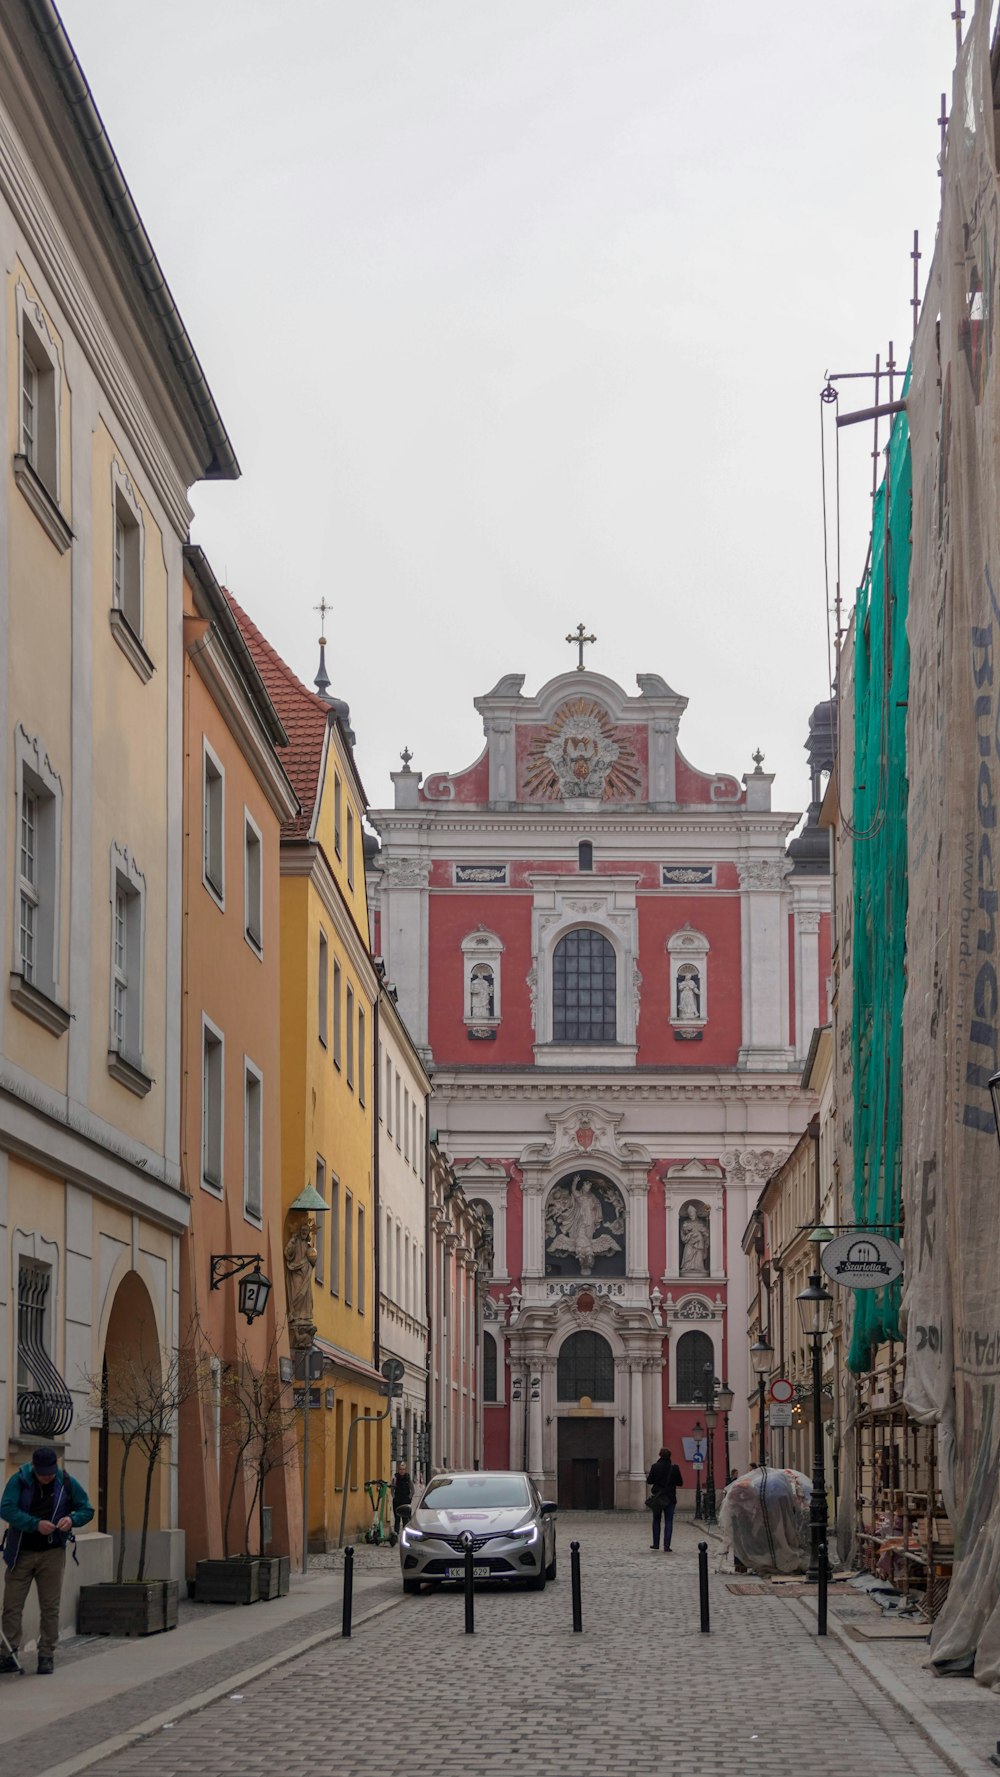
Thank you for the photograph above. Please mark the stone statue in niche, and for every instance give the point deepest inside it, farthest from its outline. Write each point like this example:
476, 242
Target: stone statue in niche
585, 1227
484, 1251
300, 1263
481, 994
694, 1241
688, 991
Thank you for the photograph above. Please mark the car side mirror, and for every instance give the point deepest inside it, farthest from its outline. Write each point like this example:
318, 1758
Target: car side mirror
548, 1506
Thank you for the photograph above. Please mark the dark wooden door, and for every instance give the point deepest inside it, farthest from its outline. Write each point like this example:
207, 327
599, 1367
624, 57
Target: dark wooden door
586, 1464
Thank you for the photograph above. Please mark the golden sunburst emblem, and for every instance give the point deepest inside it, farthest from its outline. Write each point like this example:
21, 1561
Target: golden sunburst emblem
581, 753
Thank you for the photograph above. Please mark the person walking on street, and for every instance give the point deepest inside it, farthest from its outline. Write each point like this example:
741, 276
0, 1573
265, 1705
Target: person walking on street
42, 1506
664, 1478
402, 1496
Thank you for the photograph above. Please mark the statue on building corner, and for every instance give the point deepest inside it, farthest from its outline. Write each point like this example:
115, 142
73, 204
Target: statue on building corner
300, 1263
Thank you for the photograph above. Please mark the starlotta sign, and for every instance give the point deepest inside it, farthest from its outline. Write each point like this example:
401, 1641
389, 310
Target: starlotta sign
862, 1261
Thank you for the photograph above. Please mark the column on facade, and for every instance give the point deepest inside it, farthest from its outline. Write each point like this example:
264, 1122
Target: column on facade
518, 1385
653, 1416
806, 925
535, 1425
404, 926
638, 1228
764, 946
636, 1463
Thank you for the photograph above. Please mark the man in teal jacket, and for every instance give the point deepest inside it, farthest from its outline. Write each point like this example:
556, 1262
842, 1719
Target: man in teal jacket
42, 1507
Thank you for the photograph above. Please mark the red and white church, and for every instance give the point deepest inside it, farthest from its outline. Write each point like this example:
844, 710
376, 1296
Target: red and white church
614, 963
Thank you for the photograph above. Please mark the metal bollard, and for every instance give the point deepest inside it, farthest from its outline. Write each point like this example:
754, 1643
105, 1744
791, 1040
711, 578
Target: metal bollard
348, 1591
703, 1586
823, 1577
470, 1624
574, 1574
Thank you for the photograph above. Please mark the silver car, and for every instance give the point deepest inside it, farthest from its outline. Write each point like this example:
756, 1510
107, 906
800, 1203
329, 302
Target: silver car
513, 1530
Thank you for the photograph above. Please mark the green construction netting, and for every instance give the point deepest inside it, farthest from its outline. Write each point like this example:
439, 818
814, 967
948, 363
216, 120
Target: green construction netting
882, 671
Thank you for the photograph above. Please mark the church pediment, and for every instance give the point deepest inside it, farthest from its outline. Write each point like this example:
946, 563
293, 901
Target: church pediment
585, 1132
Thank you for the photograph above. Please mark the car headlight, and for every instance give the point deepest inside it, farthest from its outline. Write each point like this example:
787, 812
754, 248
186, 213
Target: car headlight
528, 1533
408, 1535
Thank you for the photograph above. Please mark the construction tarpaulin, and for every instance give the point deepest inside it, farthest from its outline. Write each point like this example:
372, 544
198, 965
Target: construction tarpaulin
951, 1014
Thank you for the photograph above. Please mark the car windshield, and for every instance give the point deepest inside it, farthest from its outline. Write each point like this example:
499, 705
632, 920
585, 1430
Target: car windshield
464, 1492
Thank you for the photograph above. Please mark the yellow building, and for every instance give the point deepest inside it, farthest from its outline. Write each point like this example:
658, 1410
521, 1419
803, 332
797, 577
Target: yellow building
108, 421
329, 989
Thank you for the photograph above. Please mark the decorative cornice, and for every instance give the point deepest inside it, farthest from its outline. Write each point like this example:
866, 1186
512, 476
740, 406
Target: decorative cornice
731, 824
763, 873
405, 873
529, 1088
308, 860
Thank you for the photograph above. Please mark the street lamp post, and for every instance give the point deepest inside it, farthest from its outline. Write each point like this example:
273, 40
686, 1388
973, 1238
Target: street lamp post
711, 1419
724, 1398
815, 1305
761, 1357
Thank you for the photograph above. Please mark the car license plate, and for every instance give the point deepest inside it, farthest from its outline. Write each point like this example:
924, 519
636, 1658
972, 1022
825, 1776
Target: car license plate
478, 1573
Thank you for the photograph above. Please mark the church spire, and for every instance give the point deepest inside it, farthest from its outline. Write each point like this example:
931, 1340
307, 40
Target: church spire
322, 679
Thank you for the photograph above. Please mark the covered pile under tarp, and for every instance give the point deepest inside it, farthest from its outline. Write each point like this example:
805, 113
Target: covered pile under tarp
951, 1010
765, 1520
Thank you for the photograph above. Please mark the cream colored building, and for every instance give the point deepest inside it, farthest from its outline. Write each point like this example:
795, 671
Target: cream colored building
403, 1091
108, 423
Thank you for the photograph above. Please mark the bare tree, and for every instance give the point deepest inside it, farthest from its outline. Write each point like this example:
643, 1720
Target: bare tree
262, 1430
139, 1395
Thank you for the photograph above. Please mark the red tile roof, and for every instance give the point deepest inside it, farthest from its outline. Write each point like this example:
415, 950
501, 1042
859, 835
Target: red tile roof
304, 717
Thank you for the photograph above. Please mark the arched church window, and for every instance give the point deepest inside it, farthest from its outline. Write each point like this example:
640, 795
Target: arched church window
489, 1367
586, 1366
586, 854
694, 1240
694, 1351
584, 989
585, 1227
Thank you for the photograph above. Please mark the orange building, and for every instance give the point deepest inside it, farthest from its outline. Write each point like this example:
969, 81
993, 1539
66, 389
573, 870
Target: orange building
236, 796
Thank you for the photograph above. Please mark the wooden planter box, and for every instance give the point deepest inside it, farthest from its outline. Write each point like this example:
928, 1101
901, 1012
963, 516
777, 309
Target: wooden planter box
133, 1608
236, 1581
275, 1575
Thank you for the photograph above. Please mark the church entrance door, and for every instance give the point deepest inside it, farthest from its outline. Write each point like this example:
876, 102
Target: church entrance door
586, 1459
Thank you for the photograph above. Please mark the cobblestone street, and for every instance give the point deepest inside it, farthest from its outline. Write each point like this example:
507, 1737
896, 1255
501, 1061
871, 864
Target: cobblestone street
641, 1691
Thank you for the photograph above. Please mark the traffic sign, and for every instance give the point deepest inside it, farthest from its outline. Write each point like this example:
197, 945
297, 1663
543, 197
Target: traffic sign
698, 1459
779, 1414
781, 1391
394, 1369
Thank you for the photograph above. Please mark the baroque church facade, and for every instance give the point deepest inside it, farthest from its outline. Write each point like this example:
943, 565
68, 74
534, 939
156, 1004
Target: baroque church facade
613, 964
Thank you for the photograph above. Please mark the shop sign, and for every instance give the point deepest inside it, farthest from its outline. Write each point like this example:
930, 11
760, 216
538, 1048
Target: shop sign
862, 1261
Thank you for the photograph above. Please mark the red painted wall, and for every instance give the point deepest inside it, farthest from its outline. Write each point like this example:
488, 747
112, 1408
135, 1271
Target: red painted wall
718, 917
451, 917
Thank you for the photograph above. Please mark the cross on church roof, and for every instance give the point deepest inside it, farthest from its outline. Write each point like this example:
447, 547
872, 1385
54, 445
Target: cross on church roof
323, 608
578, 640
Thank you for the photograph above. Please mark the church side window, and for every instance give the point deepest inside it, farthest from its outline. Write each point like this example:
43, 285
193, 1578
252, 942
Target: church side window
584, 989
695, 1355
586, 1366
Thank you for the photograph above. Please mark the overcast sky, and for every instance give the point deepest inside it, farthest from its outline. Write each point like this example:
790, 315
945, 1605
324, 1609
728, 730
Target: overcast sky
517, 313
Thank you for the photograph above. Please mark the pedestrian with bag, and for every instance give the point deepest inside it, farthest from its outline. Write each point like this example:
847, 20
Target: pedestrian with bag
663, 1479
402, 1496
42, 1507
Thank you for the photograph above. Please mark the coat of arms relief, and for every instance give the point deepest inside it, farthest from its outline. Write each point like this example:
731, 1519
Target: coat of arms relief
581, 753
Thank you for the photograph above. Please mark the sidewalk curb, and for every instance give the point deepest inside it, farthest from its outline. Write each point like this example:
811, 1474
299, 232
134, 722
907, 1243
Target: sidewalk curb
200, 1699
953, 1750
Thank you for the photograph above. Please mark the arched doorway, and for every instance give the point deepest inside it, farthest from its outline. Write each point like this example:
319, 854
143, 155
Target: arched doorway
585, 1383
131, 1369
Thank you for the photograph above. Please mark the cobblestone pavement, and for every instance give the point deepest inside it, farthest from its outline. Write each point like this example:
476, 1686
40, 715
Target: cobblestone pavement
640, 1692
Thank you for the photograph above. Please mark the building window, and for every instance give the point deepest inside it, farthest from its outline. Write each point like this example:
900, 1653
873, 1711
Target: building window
378, 1076
420, 1163
361, 1054
338, 804
127, 970
322, 987
586, 854
584, 989
338, 1026
695, 1352
334, 1235
399, 1266
40, 394
388, 1095
348, 1248
404, 1294
253, 1142
361, 1259
406, 1126
350, 1037
212, 1119
490, 1367
481, 953
688, 953
44, 1403
413, 1143
320, 1219
586, 1366
38, 829
213, 824
253, 882
399, 1111
126, 589
387, 1258
350, 848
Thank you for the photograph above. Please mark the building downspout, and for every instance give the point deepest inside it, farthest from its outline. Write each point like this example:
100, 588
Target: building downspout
376, 1188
